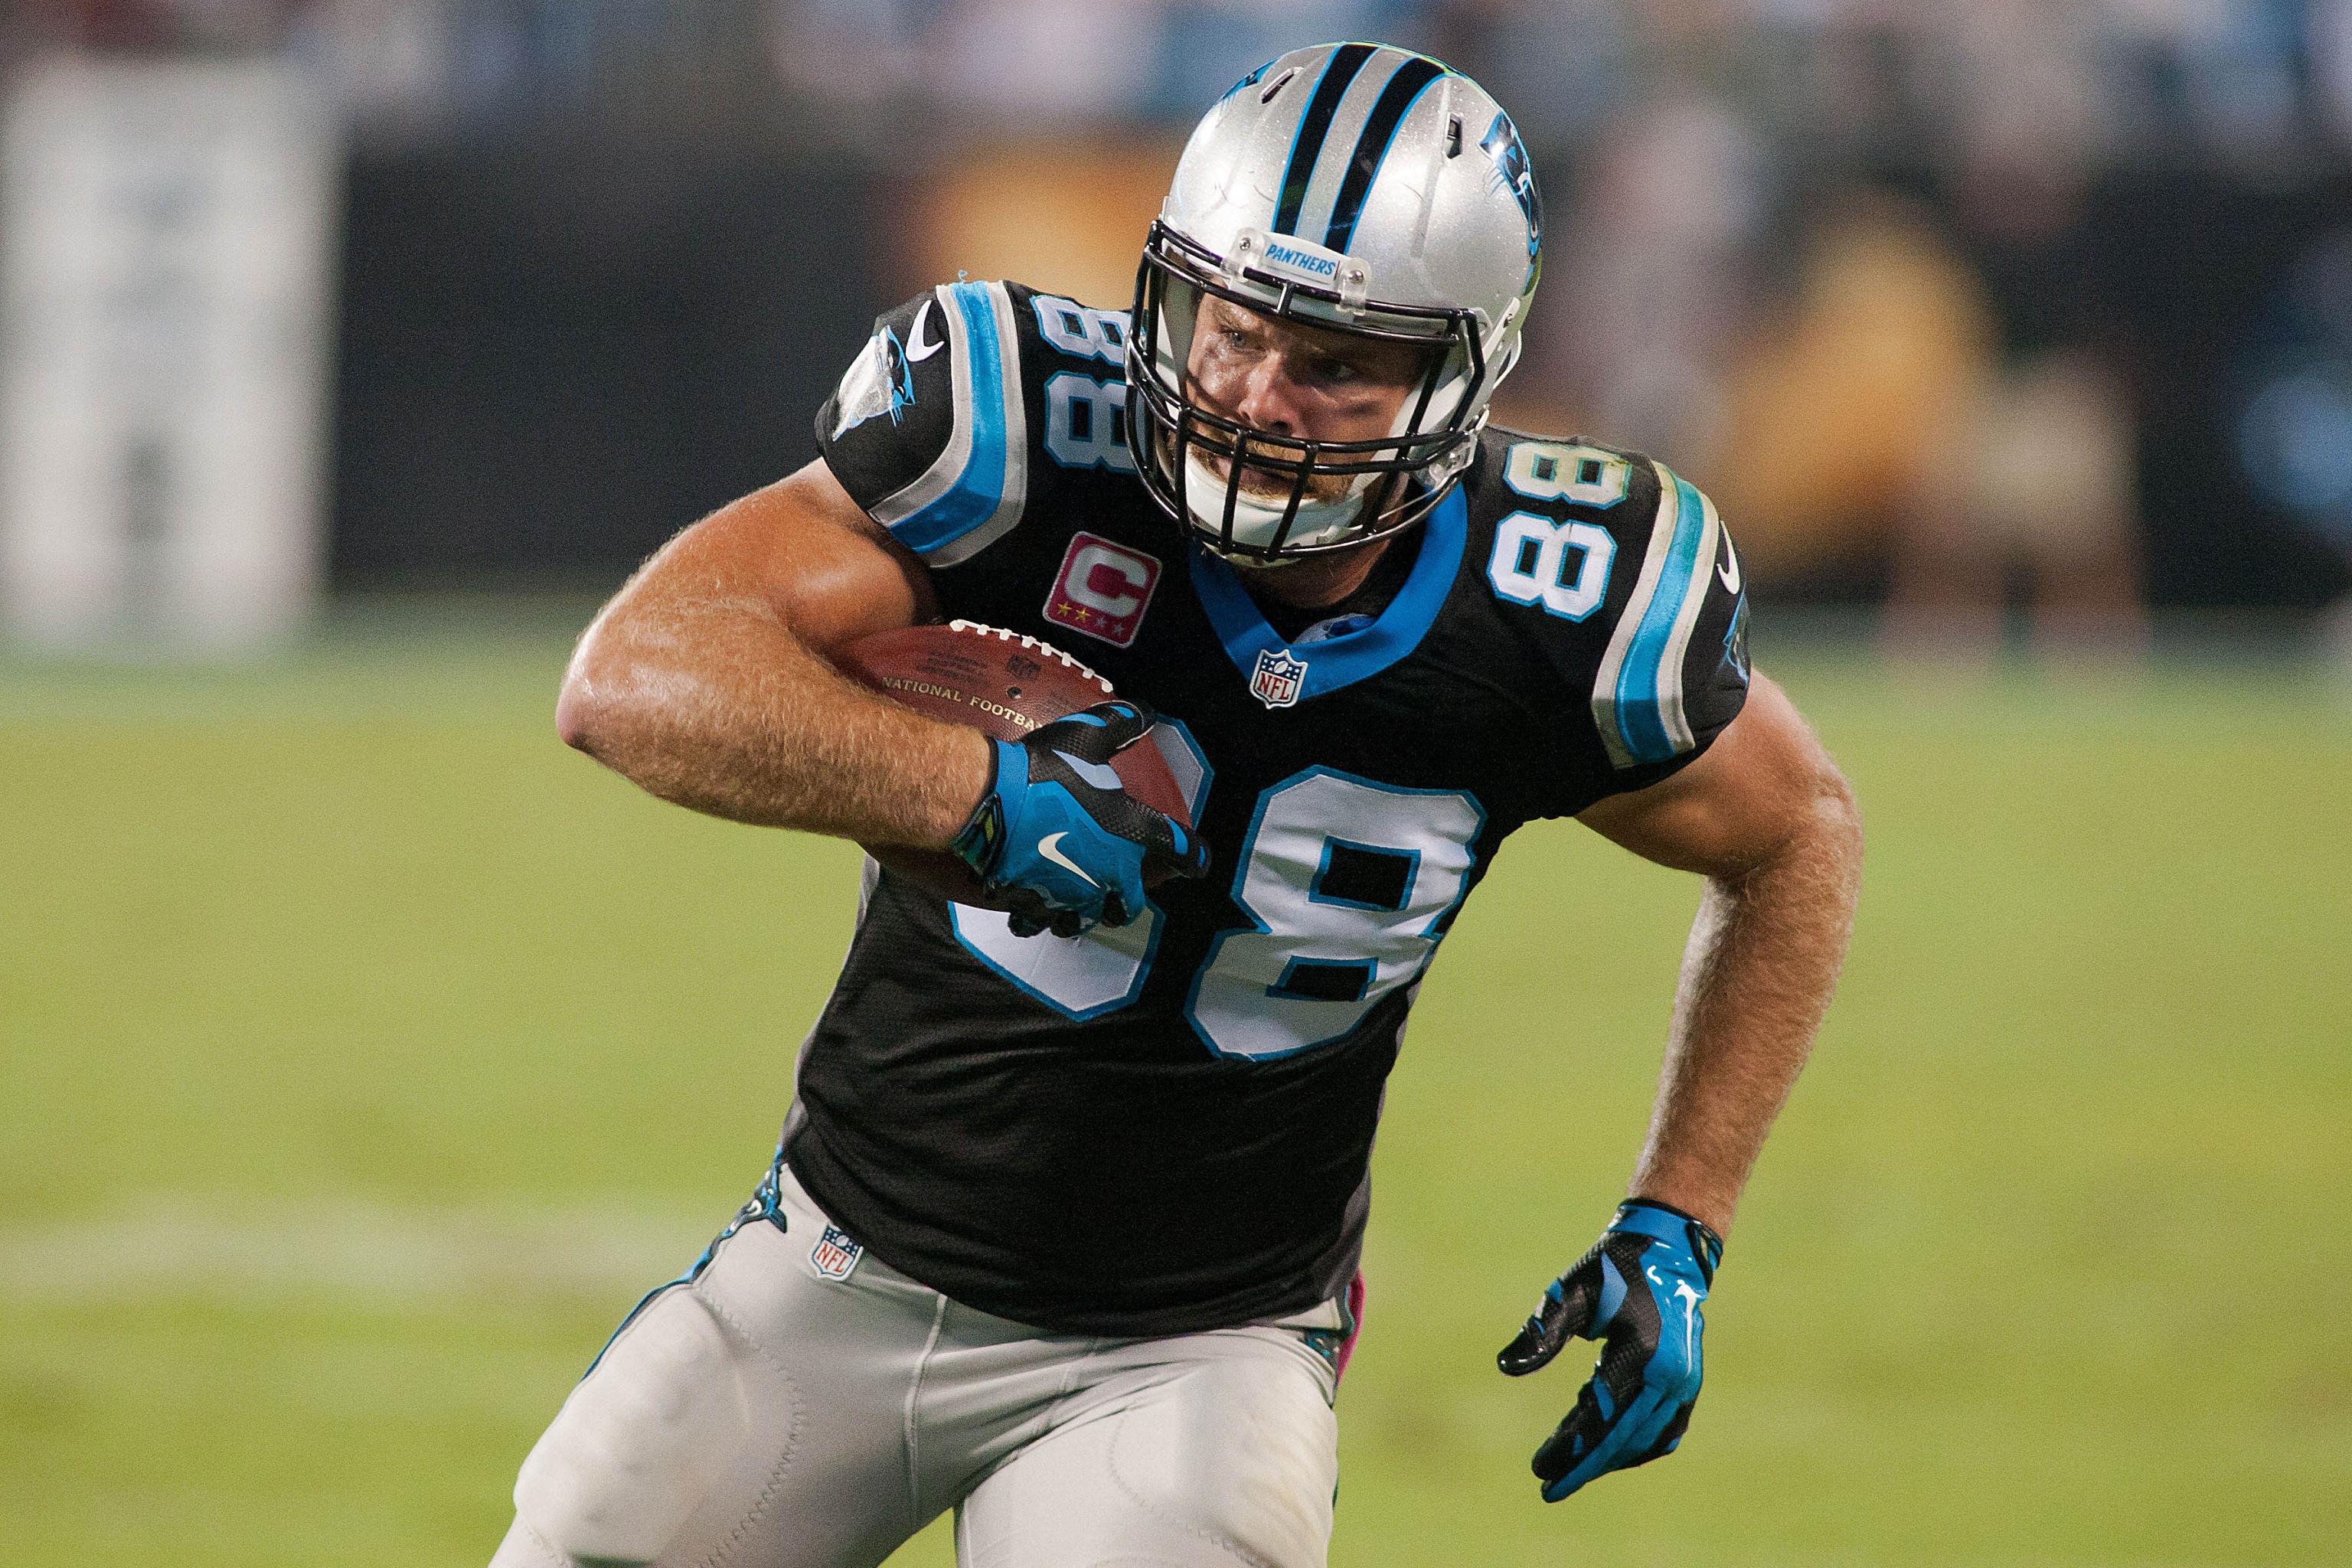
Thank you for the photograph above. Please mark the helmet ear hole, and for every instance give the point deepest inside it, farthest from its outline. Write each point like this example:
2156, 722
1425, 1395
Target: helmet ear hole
1502, 367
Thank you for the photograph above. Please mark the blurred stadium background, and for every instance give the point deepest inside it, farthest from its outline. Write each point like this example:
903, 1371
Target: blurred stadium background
366, 1054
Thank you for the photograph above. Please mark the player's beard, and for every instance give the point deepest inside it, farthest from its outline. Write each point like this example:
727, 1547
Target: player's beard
1272, 485
1327, 501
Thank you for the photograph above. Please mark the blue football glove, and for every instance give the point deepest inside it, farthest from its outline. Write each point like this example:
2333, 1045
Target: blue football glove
1056, 836
1639, 1290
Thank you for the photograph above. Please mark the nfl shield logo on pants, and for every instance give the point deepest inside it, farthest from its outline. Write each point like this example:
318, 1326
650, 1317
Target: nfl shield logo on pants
1275, 680
834, 1254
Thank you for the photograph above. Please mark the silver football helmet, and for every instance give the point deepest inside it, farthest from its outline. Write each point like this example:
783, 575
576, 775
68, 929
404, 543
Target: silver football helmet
1351, 188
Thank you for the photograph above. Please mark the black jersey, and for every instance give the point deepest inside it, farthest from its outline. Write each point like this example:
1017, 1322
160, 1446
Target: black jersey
1168, 1126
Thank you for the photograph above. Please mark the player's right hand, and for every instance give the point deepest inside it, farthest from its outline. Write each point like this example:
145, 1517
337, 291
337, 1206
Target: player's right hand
1056, 836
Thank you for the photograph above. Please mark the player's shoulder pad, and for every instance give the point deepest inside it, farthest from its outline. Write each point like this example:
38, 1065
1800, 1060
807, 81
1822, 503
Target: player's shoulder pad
1625, 573
928, 430
965, 404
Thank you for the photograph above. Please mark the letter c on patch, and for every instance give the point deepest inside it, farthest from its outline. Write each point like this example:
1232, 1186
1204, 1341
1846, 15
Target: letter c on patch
1102, 580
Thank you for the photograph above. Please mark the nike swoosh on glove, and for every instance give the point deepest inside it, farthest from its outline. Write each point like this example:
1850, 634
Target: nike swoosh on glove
1638, 1291
1056, 835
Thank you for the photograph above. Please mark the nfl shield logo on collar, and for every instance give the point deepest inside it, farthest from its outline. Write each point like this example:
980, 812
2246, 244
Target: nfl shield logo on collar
834, 1254
1276, 678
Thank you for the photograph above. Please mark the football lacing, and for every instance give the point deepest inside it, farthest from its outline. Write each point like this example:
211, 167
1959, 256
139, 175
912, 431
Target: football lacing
1034, 645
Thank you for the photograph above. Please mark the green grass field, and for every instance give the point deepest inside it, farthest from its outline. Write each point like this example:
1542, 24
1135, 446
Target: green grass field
367, 1053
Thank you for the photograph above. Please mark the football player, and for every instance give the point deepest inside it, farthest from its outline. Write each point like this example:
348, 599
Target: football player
1063, 1232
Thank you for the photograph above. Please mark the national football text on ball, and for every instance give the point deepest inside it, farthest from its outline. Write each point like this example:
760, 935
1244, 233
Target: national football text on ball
949, 694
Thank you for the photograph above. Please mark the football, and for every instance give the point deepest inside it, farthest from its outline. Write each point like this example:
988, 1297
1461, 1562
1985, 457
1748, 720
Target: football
1003, 685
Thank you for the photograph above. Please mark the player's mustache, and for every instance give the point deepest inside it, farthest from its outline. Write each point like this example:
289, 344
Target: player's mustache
1277, 475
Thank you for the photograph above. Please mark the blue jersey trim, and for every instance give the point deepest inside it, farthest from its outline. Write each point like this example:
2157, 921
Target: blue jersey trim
1354, 656
976, 492
1638, 680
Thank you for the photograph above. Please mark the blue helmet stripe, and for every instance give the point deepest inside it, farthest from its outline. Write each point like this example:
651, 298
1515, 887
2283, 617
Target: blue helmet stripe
1306, 143
972, 499
1396, 101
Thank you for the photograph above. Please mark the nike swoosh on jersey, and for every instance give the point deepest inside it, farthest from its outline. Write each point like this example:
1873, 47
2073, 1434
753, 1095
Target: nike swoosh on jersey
1046, 846
917, 349
1726, 569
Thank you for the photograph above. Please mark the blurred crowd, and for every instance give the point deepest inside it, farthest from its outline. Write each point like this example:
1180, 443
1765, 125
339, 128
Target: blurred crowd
1878, 271
1829, 76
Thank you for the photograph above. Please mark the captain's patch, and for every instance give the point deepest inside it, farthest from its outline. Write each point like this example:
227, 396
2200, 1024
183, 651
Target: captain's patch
1103, 589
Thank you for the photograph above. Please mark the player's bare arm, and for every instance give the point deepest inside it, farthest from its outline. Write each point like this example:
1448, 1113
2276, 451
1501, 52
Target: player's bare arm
702, 681
1766, 818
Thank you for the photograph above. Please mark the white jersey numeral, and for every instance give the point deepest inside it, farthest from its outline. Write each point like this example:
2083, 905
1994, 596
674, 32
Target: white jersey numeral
1081, 331
1532, 558
1347, 882
1547, 470
1087, 976
1081, 976
1085, 422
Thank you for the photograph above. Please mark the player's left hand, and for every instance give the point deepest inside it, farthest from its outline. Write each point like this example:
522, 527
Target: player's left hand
1638, 1290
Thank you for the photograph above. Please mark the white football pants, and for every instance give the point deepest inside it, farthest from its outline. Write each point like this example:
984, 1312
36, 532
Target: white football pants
764, 1414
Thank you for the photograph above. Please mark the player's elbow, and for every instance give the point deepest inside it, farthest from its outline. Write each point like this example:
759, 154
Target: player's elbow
1836, 817
580, 717
597, 711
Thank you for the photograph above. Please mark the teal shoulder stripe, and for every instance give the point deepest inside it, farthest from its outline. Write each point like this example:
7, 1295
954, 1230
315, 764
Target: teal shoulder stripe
1646, 684
973, 496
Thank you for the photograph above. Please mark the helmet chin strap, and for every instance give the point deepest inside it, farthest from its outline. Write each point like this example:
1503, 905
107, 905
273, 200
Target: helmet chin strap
1254, 521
